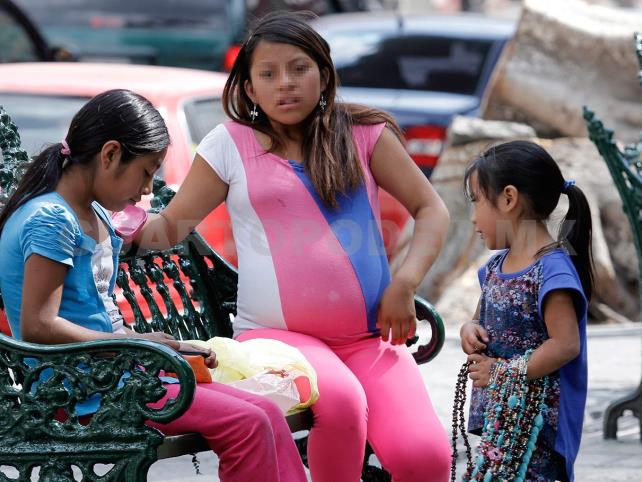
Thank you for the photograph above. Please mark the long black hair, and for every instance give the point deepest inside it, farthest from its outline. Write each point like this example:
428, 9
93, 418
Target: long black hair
330, 156
536, 175
119, 115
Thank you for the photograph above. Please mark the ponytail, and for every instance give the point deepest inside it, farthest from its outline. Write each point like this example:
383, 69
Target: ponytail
41, 177
575, 233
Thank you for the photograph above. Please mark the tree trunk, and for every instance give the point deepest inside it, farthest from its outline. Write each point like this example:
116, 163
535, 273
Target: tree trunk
452, 281
566, 54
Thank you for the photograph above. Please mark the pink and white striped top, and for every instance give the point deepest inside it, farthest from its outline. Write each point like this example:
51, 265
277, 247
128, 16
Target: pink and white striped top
303, 266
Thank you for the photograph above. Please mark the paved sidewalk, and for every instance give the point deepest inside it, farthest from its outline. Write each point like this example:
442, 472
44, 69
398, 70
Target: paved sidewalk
615, 364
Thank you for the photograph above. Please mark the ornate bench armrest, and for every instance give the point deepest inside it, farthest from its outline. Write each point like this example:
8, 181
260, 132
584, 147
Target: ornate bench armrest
38, 383
426, 312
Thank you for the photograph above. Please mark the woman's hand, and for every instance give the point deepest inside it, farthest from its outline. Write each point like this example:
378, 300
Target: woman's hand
397, 318
474, 337
479, 369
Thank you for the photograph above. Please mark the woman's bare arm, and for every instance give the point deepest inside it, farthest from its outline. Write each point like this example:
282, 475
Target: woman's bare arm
200, 193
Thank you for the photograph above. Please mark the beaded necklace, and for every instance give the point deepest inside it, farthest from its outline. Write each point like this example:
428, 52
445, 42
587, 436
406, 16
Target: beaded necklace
513, 418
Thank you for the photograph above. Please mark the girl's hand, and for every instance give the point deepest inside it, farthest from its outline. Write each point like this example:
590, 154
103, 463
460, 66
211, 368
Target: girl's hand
479, 369
474, 338
397, 317
181, 347
207, 353
158, 336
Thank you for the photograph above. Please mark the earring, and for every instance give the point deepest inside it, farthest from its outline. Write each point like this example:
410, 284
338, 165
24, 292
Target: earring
254, 113
322, 103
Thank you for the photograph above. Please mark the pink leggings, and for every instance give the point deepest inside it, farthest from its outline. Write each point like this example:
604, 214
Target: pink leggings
247, 432
369, 390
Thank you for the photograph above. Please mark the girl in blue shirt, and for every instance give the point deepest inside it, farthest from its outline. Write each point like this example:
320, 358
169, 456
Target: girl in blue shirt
532, 309
57, 239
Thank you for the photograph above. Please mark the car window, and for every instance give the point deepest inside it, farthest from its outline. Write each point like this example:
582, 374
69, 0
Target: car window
202, 115
126, 13
17, 44
41, 119
416, 62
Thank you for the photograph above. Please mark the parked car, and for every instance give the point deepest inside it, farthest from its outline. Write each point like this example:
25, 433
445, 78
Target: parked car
421, 69
183, 33
21, 40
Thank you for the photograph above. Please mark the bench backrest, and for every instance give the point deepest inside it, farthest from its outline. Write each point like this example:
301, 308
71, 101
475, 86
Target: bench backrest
188, 290
12, 165
14, 157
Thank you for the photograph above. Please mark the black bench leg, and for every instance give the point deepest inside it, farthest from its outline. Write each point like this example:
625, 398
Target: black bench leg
614, 411
302, 446
372, 473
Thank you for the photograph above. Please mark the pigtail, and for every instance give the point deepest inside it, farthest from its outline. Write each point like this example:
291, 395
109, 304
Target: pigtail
41, 177
576, 233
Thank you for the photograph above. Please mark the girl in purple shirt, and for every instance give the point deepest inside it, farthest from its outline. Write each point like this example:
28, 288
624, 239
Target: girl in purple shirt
534, 299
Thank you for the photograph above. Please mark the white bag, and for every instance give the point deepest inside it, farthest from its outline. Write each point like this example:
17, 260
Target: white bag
238, 361
277, 386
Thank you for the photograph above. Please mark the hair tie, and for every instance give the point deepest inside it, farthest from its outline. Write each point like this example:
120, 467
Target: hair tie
65, 151
567, 185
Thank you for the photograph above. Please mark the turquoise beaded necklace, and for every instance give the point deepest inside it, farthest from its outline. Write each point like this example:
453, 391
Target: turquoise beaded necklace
513, 419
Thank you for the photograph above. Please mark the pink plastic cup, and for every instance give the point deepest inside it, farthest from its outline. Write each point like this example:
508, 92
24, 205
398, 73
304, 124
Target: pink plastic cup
129, 222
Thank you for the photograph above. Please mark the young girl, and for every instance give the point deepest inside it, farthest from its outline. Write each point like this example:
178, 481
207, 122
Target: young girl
57, 239
299, 172
534, 295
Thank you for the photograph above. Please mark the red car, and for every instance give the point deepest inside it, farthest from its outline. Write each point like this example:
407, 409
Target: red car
42, 98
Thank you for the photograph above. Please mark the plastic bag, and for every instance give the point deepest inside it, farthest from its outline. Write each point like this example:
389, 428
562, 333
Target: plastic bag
280, 387
241, 360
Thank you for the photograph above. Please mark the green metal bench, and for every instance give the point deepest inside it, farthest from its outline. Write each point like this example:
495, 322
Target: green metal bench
626, 170
32, 431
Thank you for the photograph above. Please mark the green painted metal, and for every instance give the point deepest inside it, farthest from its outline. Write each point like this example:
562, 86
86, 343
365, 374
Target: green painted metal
41, 385
191, 272
625, 167
14, 157
188, 291
427, 313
